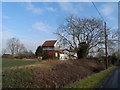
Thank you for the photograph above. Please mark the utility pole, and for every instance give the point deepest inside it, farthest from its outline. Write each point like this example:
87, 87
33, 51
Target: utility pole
106, 51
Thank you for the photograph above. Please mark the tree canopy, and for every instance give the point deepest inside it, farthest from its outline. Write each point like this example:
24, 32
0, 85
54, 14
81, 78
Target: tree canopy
76, 31
39, 51
15, 46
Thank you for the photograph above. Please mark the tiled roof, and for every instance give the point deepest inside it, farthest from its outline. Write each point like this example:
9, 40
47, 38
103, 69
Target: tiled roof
49, 43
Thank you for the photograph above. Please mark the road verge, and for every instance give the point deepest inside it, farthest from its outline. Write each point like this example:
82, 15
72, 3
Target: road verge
92, 81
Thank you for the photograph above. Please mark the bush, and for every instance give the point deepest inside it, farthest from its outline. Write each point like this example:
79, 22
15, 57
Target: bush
112, 59
45, 55
63, 73
82, 51
50, 74
26, 54
39, 51
93, 81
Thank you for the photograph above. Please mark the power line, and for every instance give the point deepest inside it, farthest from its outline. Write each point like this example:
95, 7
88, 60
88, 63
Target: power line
106, 52
98, 11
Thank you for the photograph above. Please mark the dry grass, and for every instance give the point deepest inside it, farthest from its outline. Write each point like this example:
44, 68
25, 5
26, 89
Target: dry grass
64, 72
51, 73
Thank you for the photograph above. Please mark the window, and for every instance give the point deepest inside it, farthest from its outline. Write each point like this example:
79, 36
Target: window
56, 54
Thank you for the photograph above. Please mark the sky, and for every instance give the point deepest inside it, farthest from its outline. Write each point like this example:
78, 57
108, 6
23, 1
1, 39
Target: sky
34, 22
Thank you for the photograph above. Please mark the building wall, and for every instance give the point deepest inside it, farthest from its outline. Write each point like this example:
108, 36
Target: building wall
53, 54
56, 46
68, 55
63, 57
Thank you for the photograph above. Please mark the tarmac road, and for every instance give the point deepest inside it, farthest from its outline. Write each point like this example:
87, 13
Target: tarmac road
113, 80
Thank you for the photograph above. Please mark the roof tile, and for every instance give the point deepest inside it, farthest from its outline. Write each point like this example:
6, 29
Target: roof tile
49, 43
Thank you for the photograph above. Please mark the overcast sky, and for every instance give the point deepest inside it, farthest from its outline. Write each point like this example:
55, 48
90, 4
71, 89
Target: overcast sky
33, 23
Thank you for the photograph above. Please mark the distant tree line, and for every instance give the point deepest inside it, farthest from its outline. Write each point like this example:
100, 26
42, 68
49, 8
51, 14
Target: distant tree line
17, 49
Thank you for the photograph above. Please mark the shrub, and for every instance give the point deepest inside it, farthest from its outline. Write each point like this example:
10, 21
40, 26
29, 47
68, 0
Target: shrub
45, 54
25, 54
82, 51
113, 58
63, 73
39, 51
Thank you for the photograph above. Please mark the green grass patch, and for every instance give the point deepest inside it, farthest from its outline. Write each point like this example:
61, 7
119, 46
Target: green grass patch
92, 81
7, 63
17, 78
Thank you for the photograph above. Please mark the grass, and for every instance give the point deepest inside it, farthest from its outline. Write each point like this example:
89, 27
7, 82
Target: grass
92, 81
23, 77
17, 77
8, 63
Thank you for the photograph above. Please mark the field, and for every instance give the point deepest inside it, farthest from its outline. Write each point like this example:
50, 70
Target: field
15, 70
46, 74
9, 63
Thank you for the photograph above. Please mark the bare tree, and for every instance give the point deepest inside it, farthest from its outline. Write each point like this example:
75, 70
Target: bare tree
78, 33
113, 42
21, 48
15, 46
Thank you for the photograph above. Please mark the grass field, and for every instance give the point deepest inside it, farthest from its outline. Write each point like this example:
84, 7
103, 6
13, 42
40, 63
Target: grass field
16, 77
8, 63
49, 73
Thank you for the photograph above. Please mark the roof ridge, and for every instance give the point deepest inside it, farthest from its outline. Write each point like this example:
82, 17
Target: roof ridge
49, 43
51, 40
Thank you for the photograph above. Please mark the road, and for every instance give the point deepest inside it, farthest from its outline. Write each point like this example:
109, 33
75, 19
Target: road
113, 80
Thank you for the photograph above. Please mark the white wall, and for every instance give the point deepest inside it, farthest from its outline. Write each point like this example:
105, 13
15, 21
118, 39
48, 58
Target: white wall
63, 57
56, 45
